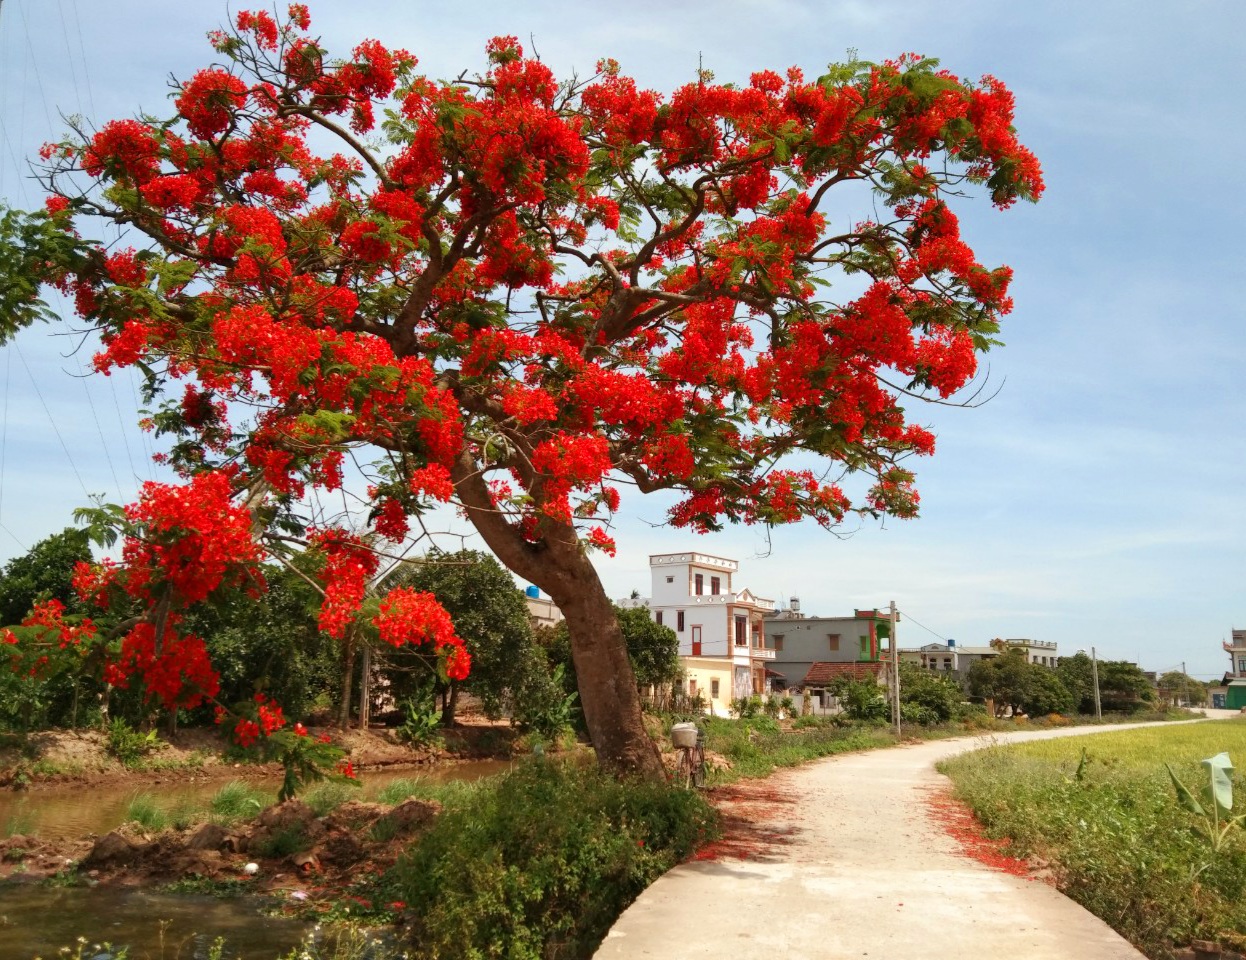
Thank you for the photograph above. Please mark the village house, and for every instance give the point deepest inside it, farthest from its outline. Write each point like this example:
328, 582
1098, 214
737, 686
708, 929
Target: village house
1231, 694
721, 629
811, 652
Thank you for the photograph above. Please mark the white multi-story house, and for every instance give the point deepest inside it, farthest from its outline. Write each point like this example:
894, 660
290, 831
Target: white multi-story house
721, 629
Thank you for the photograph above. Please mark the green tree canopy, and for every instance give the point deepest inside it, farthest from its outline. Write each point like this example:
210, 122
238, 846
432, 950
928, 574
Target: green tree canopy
1016, 684
1177, 686
44, 572
489, 613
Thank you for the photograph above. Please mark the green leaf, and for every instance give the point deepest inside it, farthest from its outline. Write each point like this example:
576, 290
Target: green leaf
1220, 767
1184, 797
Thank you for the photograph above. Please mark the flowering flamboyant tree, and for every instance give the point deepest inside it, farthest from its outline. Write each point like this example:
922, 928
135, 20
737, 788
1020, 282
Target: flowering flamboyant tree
522, 295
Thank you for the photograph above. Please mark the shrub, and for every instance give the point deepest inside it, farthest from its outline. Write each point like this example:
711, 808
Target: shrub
539, 865
283, 843
128, 745
544, 708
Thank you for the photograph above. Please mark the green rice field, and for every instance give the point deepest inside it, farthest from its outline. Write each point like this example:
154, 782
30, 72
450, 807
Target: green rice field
1103, 811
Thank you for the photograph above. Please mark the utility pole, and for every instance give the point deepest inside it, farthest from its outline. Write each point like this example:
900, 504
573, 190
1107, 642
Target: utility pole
1094, 672
895, 672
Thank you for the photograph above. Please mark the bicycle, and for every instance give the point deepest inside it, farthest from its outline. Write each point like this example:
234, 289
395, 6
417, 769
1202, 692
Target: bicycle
690, 771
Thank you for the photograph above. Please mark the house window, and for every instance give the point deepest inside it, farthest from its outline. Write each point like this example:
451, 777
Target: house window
863, 651
832, 640
692, 686
670, 579
778, 642
741, 631
715, 585
699, 579
658, 617
947, 663
1241, 664
679, 621
714, 689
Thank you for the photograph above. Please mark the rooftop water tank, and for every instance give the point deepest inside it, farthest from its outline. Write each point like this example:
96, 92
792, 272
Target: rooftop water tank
533, 593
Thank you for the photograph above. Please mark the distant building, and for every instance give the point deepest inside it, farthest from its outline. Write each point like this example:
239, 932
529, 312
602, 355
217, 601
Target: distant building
949, 658
810, 651
542, 611
1234, 680
721, 629
1037, 651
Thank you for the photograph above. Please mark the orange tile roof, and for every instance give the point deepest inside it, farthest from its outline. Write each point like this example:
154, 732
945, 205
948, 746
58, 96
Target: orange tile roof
821, 674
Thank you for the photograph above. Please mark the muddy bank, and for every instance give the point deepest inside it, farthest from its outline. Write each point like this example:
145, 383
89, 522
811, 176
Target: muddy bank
62, 757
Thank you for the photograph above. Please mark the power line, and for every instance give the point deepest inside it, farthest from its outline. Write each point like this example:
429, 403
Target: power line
100, 430
922, 625
39, 393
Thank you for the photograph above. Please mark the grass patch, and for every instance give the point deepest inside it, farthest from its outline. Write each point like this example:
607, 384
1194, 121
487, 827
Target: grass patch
223, 889
325, 797
146, 812
538, 863
756, 747
238, 800
21, 822
283, 843
404, 788
1120, 844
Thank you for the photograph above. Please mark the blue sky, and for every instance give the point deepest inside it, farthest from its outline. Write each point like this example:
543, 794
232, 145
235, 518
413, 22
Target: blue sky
1096, 500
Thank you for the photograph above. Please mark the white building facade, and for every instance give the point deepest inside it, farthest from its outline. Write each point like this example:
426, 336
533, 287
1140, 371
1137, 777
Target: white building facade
721, 629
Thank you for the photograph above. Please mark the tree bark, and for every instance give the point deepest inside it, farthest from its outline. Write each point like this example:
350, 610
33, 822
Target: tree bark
348, 681
449, 704
607, 685
557, 564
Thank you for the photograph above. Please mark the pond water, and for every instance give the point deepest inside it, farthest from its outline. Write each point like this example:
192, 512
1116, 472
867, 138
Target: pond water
37, 921
71, 812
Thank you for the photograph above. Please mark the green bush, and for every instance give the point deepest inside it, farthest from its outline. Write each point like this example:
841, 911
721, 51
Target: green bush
128, 745
541, 863
545, 708
421, 724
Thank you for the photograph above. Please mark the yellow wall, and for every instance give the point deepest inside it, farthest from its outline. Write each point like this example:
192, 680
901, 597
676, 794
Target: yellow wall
705, 671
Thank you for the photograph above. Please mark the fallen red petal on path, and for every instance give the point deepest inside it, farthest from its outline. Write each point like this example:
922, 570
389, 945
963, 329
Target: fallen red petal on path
959, 823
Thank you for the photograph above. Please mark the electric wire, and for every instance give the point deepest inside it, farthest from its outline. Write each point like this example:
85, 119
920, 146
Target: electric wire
55, 429
917, 622
104, 443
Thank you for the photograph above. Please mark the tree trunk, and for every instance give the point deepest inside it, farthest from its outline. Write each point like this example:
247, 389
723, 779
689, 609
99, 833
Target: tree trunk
607, 685
449, 703
365, 691
557, 564
348, 681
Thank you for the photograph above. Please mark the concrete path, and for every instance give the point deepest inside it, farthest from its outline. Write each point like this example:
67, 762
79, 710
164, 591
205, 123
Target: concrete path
858, 865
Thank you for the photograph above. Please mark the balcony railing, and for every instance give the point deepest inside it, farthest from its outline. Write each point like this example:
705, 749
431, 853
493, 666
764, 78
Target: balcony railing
763, 653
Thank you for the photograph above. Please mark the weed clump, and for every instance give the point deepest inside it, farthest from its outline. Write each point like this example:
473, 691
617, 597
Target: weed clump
539, 864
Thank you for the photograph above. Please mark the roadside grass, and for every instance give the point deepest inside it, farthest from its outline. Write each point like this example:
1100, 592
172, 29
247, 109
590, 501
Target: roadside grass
757, 746
1116, 837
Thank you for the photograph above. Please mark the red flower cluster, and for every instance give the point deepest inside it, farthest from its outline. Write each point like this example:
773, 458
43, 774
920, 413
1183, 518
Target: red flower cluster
409, 617
174, 669
349, 564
